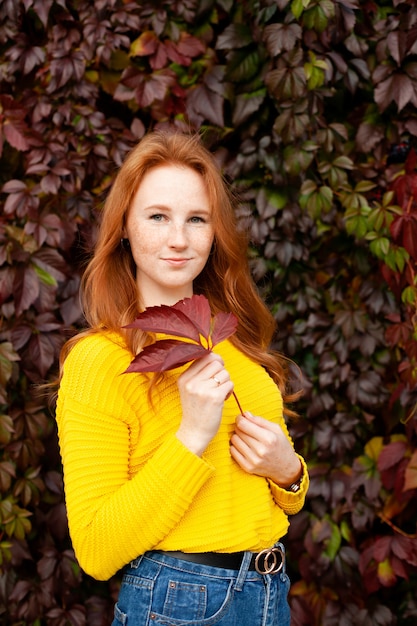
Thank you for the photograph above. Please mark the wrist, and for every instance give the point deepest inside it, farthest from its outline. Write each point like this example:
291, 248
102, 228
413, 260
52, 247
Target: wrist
295, 484
191, 442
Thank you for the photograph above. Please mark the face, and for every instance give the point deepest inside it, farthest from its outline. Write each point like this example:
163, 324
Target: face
170, 231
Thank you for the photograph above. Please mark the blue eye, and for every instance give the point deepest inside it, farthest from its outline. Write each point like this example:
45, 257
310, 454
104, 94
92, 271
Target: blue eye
157, 217
197, 220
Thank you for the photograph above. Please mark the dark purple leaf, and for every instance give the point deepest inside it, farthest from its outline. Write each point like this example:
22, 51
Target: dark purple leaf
42, 352
202, 101
234, 36
26, 289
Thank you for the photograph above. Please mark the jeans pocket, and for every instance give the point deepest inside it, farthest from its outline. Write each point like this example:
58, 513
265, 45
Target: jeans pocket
180, 601
134, 602
189, 600
120, 618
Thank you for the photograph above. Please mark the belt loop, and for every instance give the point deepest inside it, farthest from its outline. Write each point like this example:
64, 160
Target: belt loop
282, 547
244, 567
136, 562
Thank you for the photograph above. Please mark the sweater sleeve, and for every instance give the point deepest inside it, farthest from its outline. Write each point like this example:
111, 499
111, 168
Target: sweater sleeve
290, 502
114, 517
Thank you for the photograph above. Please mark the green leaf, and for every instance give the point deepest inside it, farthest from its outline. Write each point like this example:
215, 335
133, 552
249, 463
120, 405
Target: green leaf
409, 295
19, 526
364, 185
333, 544
243, 65
308, 187
297, 160
401, 258
318, 202
277, 197
373, 448
352, 199
346, 531
317, 17
298, 6
5, 552
44, 276
344, 162
380, 247
357, 225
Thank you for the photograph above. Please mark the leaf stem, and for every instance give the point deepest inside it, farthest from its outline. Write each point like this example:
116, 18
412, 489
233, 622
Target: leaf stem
238, 403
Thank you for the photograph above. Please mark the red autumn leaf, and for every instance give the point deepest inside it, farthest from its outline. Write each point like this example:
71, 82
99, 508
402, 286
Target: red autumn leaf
167, 320
190, 46
166, 354
399, 332
405, 185
404, 232
410, 163
189, 318
187, 48
391, 455
198, 310
381, 548
410, 478
224, 325
145, 45
14, 133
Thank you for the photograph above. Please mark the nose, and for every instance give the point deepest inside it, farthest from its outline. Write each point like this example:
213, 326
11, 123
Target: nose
177, 236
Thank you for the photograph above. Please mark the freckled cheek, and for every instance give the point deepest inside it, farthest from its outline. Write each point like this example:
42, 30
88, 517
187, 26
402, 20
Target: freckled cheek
203, 244
145, 243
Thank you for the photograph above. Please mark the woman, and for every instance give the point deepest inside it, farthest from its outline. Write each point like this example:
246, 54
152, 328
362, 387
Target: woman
162, 477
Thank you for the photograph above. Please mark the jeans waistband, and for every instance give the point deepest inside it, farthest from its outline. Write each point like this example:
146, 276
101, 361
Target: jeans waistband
268, 561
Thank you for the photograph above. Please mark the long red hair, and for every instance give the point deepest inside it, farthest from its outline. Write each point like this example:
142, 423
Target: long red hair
109, 291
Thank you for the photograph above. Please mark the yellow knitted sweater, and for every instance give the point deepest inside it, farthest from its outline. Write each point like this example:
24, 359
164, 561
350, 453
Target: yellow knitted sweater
132, 486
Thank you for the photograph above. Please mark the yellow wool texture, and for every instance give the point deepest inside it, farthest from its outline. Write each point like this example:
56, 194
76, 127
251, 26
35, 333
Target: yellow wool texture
132, 486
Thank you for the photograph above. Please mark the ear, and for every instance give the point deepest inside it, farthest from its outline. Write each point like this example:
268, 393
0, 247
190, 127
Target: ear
124, 229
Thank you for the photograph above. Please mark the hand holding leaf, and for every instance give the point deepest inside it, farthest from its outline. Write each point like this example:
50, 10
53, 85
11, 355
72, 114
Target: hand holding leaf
189, 318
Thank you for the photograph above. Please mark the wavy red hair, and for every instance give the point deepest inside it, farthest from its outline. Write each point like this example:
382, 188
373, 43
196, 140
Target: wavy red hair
109, 291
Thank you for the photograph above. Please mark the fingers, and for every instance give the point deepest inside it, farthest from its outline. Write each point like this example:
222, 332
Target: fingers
257, 428
221, 377
209, 369
239, 447
203, 387
261, 447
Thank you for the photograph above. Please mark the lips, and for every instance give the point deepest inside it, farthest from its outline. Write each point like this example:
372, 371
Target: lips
176, 262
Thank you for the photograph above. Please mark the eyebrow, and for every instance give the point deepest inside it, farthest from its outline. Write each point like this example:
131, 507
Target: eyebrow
163, 207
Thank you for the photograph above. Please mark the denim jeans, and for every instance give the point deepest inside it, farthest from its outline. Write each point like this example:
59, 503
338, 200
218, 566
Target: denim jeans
158, 589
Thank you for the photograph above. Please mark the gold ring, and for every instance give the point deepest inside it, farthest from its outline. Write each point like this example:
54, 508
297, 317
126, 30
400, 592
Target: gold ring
216, 380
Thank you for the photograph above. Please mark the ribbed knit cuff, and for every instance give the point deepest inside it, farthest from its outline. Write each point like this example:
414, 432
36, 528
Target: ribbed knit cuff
184, 470
290, 502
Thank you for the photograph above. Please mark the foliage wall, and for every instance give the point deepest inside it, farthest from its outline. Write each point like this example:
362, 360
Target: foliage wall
310, 106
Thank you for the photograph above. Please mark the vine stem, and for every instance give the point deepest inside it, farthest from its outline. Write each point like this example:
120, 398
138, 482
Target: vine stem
394, 527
